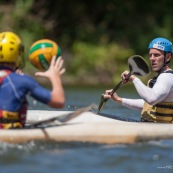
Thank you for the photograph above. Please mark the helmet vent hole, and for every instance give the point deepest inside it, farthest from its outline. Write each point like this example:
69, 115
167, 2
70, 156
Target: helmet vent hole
12, 42
11, 49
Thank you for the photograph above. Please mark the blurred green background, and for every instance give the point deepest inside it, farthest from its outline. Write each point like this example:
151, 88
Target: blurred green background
96, 36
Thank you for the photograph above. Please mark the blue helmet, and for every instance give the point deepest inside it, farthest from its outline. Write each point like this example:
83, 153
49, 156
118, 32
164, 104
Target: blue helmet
161, 44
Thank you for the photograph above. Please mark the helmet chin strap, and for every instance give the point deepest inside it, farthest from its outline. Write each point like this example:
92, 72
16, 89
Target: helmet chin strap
164, 65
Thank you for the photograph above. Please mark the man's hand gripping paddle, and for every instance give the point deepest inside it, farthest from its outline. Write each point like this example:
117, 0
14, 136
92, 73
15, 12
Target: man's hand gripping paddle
137, 66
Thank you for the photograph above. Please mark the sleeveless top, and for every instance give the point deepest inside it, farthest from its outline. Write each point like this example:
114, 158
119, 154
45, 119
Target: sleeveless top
161, 112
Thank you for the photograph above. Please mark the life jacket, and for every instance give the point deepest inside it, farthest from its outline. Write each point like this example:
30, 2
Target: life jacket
161, 112
10, 120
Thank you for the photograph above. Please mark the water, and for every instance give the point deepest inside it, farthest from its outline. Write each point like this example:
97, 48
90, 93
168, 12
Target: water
49, 157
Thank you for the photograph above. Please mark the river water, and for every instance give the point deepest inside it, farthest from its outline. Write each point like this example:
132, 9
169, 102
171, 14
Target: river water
50, 157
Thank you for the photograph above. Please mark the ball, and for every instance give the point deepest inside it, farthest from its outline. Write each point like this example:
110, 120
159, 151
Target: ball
41, 53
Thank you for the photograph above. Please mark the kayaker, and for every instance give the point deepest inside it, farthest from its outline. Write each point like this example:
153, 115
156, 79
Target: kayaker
156, 103
15, 86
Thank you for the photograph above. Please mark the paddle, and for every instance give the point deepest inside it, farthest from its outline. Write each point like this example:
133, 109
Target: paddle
61, 119
138, 66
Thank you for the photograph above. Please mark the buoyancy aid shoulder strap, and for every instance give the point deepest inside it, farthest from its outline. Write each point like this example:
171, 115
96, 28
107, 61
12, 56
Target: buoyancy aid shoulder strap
3, 74
151, 82
169, 71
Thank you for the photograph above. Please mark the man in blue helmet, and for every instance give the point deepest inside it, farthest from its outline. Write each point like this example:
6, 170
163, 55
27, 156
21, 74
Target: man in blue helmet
156, 104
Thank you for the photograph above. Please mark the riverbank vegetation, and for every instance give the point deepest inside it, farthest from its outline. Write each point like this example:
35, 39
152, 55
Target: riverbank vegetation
96, 37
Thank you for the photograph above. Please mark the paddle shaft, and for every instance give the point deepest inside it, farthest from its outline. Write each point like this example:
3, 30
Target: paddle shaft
137, 66
62, 118
104, 100
118, 86
114, 90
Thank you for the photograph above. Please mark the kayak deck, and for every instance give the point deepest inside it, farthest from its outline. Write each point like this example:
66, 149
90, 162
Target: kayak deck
88, 127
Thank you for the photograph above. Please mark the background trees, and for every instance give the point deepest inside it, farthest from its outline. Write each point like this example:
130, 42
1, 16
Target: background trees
96, 36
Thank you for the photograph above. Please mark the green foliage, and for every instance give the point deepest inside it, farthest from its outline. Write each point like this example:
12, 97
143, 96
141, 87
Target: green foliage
103, 61
99, 34
17, 17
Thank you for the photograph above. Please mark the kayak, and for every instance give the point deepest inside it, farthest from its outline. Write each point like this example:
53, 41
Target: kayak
86, 127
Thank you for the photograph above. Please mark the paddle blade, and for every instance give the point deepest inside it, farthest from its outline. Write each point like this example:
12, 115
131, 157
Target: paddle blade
138, 65
102, 103
61, 119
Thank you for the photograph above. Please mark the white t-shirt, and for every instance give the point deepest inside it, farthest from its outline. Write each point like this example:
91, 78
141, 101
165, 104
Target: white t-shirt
161, 91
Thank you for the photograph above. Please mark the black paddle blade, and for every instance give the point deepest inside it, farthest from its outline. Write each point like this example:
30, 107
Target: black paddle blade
138, 65
104, 100
102, 103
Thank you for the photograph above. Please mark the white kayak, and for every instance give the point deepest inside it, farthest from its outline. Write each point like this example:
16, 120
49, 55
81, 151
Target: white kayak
88, 127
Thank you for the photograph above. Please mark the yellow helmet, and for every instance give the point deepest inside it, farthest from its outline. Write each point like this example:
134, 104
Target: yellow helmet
11, 49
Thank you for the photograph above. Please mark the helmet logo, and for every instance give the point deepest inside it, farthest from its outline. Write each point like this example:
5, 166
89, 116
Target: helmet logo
157, 46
